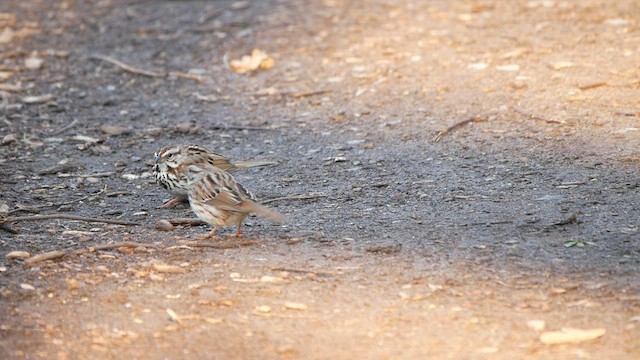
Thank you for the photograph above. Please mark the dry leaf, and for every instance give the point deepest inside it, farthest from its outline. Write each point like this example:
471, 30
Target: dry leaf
257, 60
567, 335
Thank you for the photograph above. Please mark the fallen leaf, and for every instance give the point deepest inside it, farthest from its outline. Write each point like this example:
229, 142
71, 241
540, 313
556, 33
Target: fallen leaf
257, 60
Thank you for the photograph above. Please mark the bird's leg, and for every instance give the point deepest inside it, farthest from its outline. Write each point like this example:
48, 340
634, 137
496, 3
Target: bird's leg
238, 232
171, 203
212, 234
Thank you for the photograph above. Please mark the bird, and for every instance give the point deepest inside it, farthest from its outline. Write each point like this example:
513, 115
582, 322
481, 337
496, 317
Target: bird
219, 200
171, 161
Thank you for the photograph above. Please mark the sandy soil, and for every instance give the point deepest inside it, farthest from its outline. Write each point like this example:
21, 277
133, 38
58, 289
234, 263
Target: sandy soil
407, 237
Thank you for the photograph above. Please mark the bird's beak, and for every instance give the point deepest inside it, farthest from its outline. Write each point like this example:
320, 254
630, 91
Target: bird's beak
157, 158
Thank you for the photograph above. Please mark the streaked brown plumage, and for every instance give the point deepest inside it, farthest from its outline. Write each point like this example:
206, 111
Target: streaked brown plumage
172, 160
219, 200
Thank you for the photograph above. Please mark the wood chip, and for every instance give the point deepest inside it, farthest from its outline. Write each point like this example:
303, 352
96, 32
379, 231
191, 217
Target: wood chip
39, 99
45, 256
17, 255
172, 314
295, 306
567, 335
171, 269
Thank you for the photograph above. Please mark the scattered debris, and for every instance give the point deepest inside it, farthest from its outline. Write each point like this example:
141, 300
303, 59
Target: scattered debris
33, 63
164, 225
45, 256
170, 269
385, 249
114, 130
570, 220
295, 197
456, 126
578, 243
12, 219
295, 306
537, 325
21, 255
222, 245
61, 168
248, 63
567, 335
121, 244
38, 99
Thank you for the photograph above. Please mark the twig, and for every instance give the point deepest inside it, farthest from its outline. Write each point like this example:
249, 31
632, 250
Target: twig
102, 174
299, 95
296, 197
307, 272
385, 249
36, 209
12, 219
186, 76
536, 117
139, 71
121, 244
45, 256
240, 127
210, 15
126, 67
457, 125
223, 245
186, 221
488, 223
61, 130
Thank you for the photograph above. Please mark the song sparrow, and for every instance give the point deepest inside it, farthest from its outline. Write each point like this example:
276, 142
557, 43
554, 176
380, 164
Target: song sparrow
219, 200
172, 160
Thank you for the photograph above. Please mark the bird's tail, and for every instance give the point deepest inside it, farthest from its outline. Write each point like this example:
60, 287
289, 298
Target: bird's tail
251, 164
254, 207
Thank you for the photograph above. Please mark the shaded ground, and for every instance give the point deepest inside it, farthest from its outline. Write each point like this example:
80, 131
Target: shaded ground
408, 247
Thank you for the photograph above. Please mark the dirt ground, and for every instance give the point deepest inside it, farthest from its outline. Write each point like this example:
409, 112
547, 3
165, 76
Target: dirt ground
403, 241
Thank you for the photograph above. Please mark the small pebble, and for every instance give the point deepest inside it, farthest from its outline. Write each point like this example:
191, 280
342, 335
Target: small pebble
24, 286
164, 225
